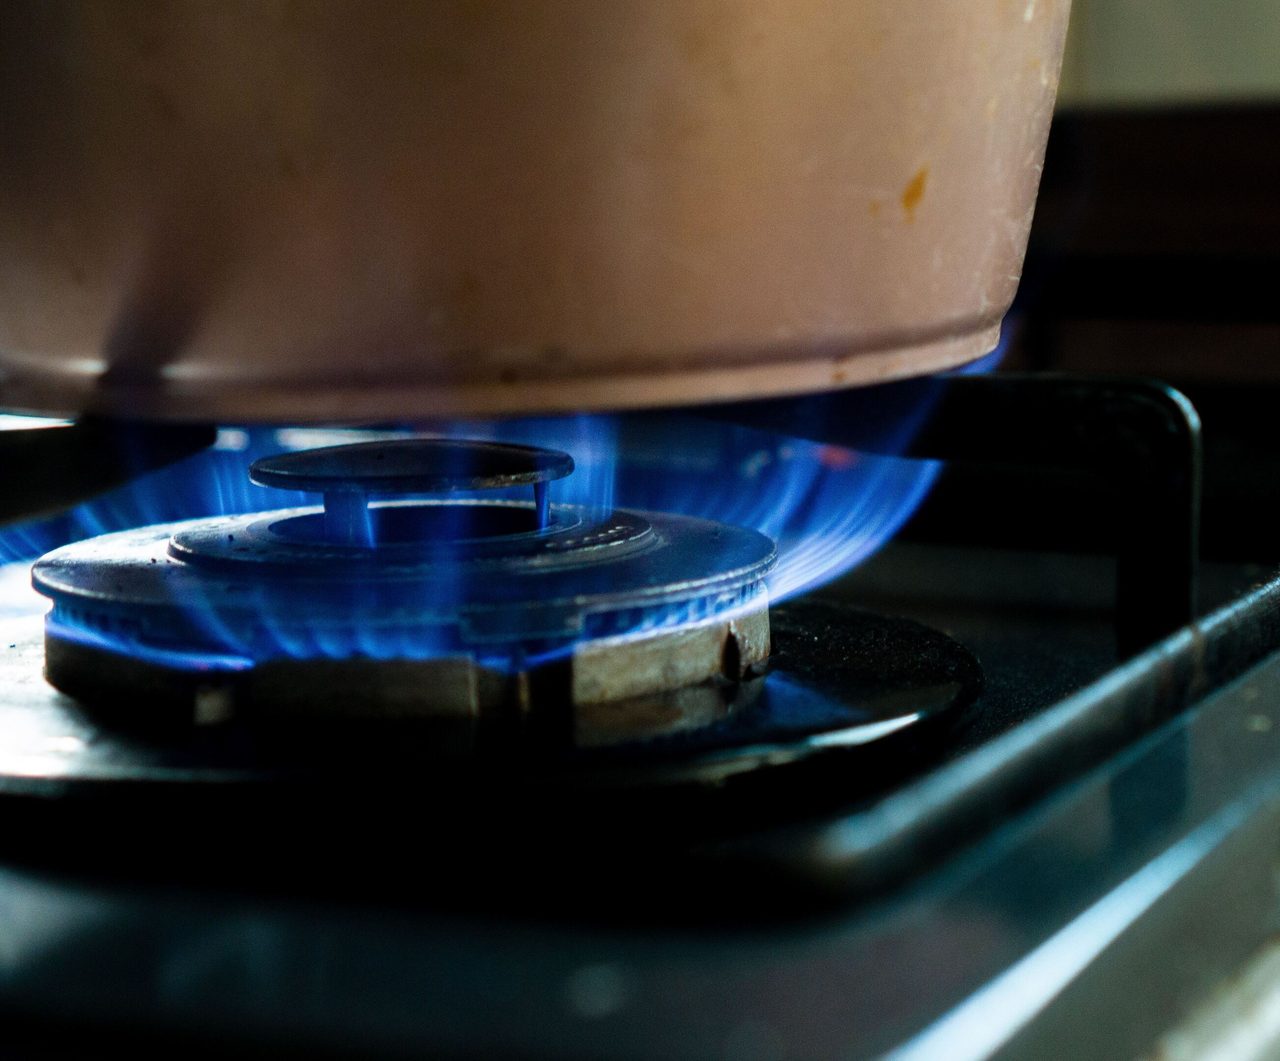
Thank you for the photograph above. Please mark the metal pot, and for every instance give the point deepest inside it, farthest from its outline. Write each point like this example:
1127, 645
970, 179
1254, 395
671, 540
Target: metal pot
275, 210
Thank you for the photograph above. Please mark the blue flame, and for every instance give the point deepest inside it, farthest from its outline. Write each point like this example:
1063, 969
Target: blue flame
826, 507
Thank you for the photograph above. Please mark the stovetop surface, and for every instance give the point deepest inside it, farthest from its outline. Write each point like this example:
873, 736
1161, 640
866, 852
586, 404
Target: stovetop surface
848, 928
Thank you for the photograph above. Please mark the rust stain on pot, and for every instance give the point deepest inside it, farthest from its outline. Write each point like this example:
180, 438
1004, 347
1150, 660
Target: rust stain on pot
914, 192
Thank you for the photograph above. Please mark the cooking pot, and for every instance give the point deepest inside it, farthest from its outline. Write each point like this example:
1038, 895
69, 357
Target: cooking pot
338, 210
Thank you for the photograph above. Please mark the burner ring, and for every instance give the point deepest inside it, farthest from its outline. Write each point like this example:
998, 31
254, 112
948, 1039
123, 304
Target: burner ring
649, 612
134, 580
296, 540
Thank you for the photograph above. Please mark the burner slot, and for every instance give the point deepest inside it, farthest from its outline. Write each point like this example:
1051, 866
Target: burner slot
346, 518
351, 520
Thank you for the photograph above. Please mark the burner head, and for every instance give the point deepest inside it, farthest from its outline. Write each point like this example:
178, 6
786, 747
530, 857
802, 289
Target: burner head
447, 608
850, 697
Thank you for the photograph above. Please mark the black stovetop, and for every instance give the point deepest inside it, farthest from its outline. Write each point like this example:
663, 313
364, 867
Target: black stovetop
960, 888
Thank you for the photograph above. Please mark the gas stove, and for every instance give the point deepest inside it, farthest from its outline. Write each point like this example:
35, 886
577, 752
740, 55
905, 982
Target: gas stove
944, 799
517, 653
539, 564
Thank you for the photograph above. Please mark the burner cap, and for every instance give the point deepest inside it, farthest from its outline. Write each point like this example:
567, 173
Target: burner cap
347, 475
412, 465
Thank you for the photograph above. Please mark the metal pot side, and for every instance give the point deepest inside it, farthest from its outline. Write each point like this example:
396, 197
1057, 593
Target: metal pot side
338, 211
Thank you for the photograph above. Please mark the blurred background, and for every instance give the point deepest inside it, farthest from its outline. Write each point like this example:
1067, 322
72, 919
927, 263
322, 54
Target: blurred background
1155, 249
1157, 232
1163, 52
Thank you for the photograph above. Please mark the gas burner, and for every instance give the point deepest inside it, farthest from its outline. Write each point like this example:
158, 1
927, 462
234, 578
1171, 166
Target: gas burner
456, 609
841, 682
